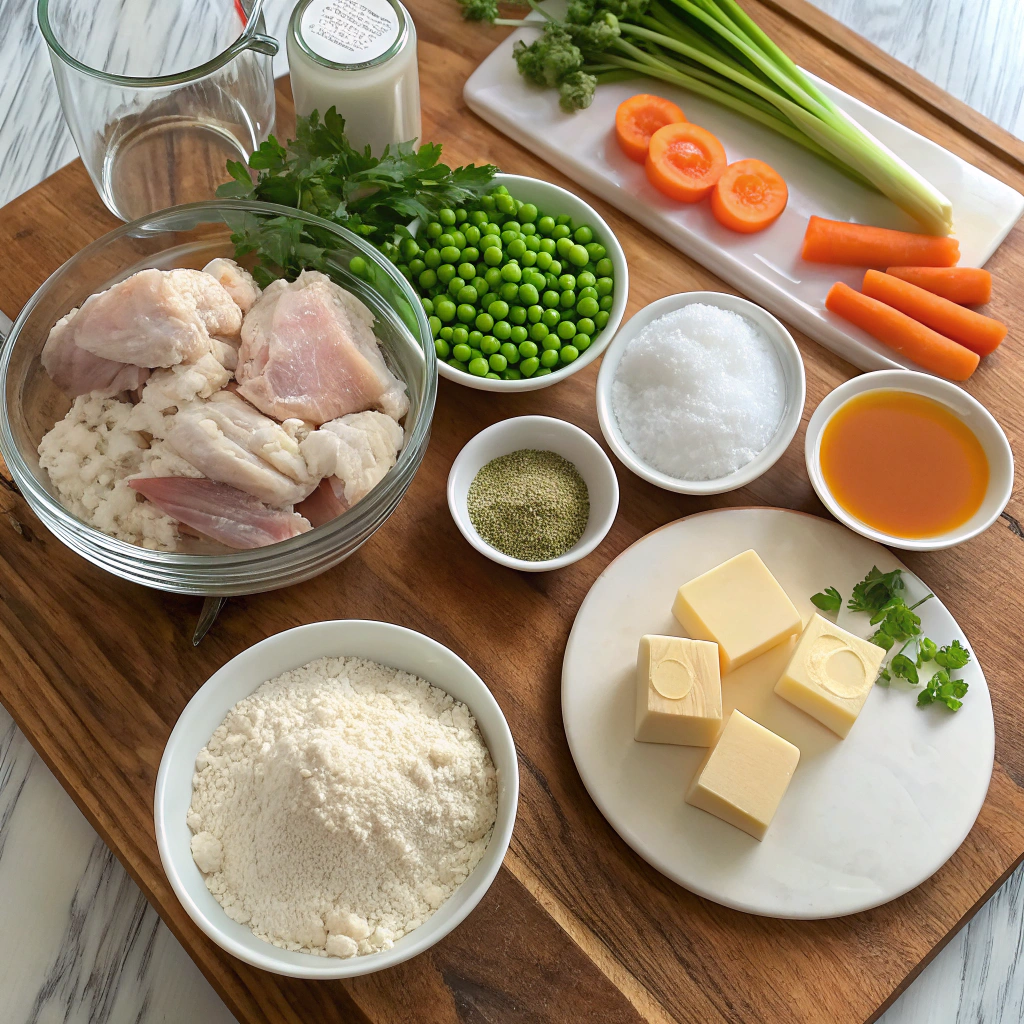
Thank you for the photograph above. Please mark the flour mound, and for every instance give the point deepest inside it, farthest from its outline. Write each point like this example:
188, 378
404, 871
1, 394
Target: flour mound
337, 807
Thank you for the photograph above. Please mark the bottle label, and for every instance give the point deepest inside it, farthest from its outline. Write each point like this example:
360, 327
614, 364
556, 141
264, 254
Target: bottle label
349, 31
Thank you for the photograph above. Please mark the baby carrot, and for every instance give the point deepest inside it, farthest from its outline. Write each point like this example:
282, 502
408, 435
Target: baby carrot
861, 245
979, 333
638, 118
927, 348
967, 285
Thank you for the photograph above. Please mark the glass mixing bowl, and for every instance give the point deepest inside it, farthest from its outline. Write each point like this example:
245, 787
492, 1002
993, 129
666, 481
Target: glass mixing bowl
190, 236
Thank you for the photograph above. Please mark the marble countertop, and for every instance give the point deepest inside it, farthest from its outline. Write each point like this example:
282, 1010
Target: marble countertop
78, 941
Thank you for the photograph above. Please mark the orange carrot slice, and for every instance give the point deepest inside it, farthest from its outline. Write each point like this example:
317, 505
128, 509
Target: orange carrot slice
638, 118
684, 161
860, 245
929, 349
749, 196
967, 285
981, 334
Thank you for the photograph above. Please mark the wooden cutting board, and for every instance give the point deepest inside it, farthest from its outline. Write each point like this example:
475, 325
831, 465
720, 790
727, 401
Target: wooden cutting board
576, 927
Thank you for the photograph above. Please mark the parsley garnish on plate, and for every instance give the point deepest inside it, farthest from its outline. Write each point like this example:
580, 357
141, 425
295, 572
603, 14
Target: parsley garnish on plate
880, 595
321, 173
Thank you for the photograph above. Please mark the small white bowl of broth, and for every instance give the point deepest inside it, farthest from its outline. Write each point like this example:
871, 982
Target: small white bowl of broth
908, 460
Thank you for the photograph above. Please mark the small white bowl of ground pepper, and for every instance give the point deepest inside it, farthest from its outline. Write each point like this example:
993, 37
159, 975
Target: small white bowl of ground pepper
533, 493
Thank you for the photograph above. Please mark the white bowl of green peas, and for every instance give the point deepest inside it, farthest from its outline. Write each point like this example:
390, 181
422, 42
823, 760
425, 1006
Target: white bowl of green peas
547, 293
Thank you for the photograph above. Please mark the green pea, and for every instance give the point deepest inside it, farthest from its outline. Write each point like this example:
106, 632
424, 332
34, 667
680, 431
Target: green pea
508, 237
498, 310
475, 353
404, 270
478, 218
567, 314
602, 319
548, 358
564, 218
552, 341
577, 256
536, 278
435, 324
528, 294
446, 216
445, 273
539, 332
588, 293
512, 225
527, 228
457, 364
582, 342
604, 267
487, 299
475, 337
543, 261
441, 348
534, 313
493, 277
491, 375
583, 234
546, 225
428, 305
555, 269
543, 370
502, 330
547, 245
585, 279
492, 229
550, 299
492, 256
585, 326
466, 270
450, 254
409, 248
604, 286
567, 299
466, 312
566, 282
463, 353
528, 211
528, 259
550, 318
527, 348
484, 322
498, 362
587, 307
561, 231
479, 285
517, 315
460, 336
509, 292
510, 352
518, 335
487, 202
489, 345
596, 251
566, 330
460, 215
512, 273
511, 374
563, 246
532, 243
606, 302
454, 285
417, 267
445, 309
505, 204
472, 233
458, 239
432, 258
516, 248
446, 239
528, 367
445, 334
568, 353
434, 230
478, 367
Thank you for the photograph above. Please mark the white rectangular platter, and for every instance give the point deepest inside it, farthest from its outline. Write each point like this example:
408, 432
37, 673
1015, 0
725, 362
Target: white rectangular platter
765, 267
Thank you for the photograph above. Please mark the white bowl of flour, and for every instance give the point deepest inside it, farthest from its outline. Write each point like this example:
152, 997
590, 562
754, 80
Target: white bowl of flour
321, 812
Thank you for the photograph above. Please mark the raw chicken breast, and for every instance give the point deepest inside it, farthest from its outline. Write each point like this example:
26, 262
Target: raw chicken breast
237, 281
230, 442
308, 351
153, 318
220, 512
78, 372
354, 453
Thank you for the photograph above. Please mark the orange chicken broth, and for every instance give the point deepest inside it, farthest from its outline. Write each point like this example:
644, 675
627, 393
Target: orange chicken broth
903, 464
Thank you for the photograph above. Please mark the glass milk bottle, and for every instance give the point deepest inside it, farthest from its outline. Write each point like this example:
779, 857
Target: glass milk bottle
358, 56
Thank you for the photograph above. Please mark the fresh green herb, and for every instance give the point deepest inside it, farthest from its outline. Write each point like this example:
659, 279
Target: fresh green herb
714, 49
829, 600
880, 595
321, 173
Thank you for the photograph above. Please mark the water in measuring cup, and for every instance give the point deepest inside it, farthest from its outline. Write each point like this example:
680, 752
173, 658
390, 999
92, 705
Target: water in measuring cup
167, 161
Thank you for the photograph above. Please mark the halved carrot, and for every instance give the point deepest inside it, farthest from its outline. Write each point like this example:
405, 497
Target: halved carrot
969, 286
979, 333
684, 161
861, 245
927, 348
638, 118
749, 196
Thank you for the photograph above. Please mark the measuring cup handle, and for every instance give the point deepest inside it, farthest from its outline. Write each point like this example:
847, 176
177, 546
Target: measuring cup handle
264, 44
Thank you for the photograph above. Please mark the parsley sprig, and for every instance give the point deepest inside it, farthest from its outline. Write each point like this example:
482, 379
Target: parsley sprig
881, 596
321, 173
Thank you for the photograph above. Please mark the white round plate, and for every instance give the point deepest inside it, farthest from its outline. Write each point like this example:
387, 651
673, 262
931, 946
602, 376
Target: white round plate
865, 819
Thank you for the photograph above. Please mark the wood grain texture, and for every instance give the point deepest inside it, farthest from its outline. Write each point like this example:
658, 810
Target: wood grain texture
576, 927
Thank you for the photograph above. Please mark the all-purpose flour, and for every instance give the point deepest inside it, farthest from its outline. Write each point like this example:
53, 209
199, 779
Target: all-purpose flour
338, 806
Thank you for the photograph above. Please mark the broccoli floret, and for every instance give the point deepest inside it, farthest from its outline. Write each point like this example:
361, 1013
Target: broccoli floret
595, 38
629, 10
581, 12
549, 59
576, 91
479, 10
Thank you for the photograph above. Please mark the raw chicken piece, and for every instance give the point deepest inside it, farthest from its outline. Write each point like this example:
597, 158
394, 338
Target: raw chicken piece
78, 372
308, 351
325, 503
230, 442
354, 453
153, 318
220, 512
238, 282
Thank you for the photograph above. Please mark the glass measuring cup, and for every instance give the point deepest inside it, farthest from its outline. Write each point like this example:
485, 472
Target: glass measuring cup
158, 96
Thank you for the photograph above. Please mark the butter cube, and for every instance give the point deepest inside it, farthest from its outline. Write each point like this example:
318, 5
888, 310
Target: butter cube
740, 606
745, 775
678, 691
830, 674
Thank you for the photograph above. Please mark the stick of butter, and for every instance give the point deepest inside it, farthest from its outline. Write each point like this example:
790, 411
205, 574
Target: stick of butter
739, 605
745, 775
830, 674
678, 691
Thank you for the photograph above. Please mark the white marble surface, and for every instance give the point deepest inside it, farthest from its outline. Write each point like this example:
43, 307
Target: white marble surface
78, 942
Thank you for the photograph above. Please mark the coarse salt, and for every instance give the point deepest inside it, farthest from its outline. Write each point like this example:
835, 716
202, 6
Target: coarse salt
699, 392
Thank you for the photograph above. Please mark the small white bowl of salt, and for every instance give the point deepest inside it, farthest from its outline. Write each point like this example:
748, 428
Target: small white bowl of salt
701, 392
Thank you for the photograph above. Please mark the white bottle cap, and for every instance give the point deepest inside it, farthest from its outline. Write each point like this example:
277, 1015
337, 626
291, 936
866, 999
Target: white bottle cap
350, 33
